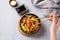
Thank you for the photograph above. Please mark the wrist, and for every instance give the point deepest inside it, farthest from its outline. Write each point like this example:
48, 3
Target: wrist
53, 28
52, 31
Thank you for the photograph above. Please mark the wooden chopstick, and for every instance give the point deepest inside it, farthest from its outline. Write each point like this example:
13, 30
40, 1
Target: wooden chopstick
49, 16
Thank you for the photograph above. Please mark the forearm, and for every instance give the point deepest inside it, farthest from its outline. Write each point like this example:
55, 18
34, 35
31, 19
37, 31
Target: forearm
53, 35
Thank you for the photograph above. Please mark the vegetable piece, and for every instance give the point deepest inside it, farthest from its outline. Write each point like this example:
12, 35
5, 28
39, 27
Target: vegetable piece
23, 27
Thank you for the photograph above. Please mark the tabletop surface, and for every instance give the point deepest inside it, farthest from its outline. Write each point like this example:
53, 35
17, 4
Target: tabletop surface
9, 19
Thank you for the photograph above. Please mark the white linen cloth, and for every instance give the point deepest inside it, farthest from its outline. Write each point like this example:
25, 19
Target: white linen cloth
47, 5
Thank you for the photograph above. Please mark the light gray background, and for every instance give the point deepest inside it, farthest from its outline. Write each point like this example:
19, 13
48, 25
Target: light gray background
9, 18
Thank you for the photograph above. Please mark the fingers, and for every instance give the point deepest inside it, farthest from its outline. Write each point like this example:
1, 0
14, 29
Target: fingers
51, 16
55, 19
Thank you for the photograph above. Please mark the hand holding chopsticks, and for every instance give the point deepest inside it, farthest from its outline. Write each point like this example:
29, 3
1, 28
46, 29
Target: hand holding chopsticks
48, 18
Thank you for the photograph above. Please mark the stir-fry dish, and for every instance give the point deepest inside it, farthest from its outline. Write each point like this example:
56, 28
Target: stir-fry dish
30, 23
